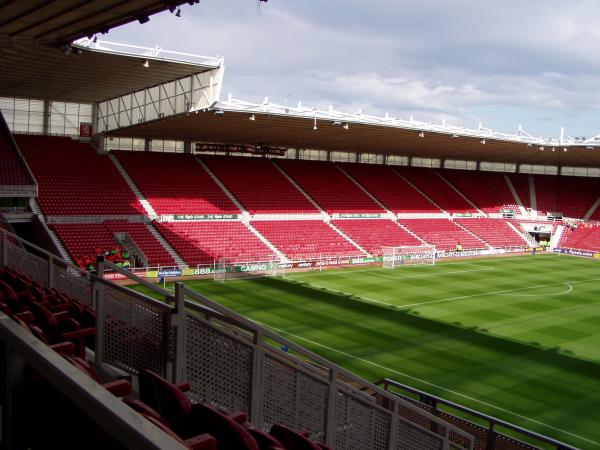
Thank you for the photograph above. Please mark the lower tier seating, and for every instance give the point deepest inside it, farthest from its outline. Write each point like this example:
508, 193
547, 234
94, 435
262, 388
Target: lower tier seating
581, 237
493, 231
373, 234
206, 242
299, 239
442, 233
85, 240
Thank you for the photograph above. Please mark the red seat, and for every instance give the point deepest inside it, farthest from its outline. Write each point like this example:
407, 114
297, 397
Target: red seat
188, 419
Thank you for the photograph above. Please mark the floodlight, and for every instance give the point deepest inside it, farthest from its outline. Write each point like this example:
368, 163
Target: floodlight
483, 141
178, 13
146, 63
252, 117
421, 134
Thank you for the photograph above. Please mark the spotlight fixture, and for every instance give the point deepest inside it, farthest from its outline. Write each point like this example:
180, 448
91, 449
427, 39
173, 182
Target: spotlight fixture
95, 39
315, 124
542, 148
252, 117
421, 134
178, 13
146, 63
143, 18
565, 149
483, 141
345, 126
553, 149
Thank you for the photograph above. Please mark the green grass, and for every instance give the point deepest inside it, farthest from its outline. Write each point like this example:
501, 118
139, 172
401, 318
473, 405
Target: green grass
515, 337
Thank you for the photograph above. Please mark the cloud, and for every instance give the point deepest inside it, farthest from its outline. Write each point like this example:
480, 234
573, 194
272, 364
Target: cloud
434, 60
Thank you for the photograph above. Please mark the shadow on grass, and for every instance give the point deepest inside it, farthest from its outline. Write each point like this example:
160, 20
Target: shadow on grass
429, 330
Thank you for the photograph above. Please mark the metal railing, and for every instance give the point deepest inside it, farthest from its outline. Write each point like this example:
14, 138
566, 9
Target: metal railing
487, 435
234, 363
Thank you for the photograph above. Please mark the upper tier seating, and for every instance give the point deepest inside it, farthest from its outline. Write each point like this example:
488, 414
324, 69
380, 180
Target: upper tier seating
495, 232
521, 184
75, 180
576, 195
175, 183
12, 172
259, 185
432, 185
546, 187
572, 196
442, 233
373, 234
581, 238
83, 239
300, 239
488, 191
206, 242
389, 188
329, 187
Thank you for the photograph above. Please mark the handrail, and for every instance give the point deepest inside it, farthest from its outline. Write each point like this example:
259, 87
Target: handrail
433, 401
127, 426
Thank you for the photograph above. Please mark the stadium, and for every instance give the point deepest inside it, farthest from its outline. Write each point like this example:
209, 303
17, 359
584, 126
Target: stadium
180, 268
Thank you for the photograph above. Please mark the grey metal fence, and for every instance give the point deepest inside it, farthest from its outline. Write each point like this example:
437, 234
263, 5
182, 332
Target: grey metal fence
236, 364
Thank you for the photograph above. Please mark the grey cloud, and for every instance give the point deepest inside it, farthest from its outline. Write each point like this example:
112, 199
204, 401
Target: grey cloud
431, 59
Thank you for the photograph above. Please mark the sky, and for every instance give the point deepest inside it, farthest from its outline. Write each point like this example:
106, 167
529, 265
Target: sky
503, 64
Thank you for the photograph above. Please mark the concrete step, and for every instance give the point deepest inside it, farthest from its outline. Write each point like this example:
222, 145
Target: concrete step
145, 203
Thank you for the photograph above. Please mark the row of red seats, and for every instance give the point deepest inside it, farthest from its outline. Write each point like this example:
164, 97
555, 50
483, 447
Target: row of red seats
175, 183
52, 316
443, 233
259, 186
488, 190
329, 187
581, 238
372, 235
75, 180
300, 239
495, 232
389, 188
430, 183
205, 242
57, 320
166, 404
12, 172
84, 239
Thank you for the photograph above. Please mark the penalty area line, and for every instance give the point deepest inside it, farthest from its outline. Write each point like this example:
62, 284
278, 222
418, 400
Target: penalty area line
468, 397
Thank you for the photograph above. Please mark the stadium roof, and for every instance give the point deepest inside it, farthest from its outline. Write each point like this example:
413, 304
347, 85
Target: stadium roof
237, 122
53, 23
37, 59
92, 71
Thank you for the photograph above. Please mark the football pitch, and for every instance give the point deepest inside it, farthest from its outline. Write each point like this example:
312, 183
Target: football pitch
515, 337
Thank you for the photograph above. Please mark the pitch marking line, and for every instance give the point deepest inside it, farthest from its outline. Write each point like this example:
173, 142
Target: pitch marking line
506, 291
565, 292
366, 361
487, 269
